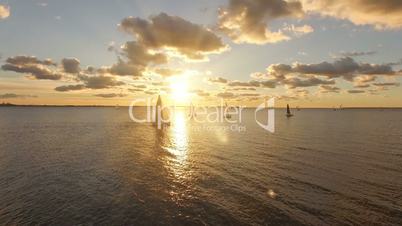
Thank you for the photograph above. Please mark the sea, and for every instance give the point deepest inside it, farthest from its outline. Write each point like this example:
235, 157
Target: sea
95, 166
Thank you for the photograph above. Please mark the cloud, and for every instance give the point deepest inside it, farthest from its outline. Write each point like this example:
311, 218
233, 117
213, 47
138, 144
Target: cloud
226, 95
92, 82
244, 84
354, 91
71, 65
167, 72
387, 84
242, 89
110, 95
38, 69
365, 78
70, 88
269, 83
249, 94
174, 33
313, 81
134, 90
202, 93
13, 95
29, 60
137, 58
100, 82
139, 54
217, 80
123, 68
380, 14
329, 89
246, 21
139, 86
357, 54
4, 11
151, 92
361, 86
344, 67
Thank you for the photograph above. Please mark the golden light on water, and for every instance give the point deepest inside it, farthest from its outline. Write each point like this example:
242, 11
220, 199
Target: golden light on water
179, 135
178, 147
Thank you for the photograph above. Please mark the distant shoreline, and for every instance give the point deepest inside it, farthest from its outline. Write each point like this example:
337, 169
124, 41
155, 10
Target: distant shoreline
111, 106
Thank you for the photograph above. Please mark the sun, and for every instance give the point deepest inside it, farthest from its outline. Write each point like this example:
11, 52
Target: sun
179, 89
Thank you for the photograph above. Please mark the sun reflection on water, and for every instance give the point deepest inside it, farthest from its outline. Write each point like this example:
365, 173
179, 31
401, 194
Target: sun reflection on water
178, 148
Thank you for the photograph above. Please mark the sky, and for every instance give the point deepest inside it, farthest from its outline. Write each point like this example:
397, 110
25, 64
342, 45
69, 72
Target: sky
309, 53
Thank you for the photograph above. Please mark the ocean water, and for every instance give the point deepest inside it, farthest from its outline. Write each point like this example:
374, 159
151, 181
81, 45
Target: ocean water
94, 166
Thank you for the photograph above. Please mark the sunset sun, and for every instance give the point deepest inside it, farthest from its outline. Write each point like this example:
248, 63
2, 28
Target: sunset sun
179, 90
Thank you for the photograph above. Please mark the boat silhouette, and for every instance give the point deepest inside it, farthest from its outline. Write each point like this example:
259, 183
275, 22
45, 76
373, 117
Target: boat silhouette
161, 114
288, 113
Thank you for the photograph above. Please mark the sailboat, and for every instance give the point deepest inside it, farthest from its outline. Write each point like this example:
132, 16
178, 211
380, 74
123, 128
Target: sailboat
192, 113
288, 113
161, 114
227, 115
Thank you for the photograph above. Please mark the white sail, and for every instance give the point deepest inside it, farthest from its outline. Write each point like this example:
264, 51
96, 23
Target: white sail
162, 116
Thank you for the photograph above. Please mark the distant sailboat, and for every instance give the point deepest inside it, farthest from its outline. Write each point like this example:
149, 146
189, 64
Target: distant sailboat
192, 113
297, 108
227, 115
161, 114
288, 113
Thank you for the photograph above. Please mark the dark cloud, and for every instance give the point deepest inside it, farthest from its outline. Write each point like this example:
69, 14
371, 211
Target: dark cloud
71, 65
244, 84
134, 90
329, 89
123, 68
387, 84
242, 89
344, 67
357, 54
23, 60
13, 95
70, 88
313, 81
249, 94
164, 31
138, 54
246, 21
226, 95
269, 83
38, 69
110, 95
139, 86
217, 80
356, 91
92, 82
100, 82
361, 86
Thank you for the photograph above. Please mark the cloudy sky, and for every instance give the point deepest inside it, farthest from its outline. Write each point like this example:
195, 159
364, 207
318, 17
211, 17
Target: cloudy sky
310, 53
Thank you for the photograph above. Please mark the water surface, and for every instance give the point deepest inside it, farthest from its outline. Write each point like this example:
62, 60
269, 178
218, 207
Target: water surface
69, 166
